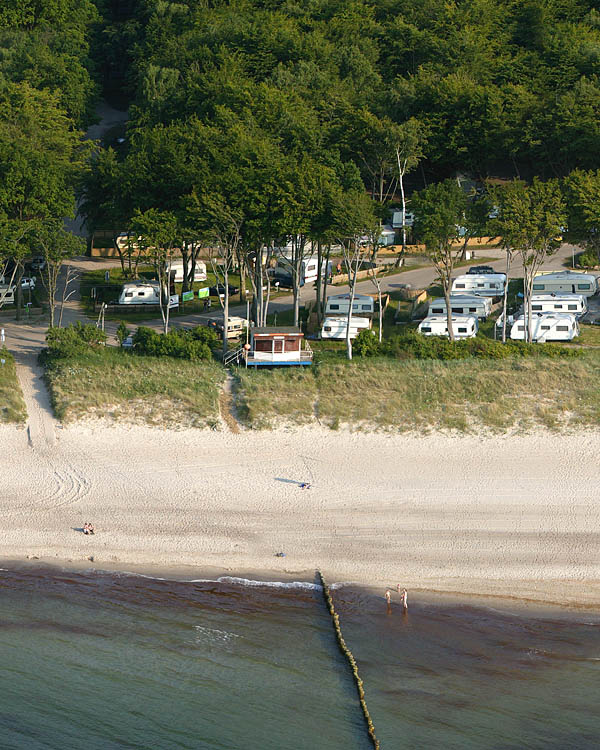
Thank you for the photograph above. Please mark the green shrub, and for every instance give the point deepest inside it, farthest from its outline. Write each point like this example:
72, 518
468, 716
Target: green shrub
366, 344
413, 345
587, 259
122, 332
74, 339
195, 344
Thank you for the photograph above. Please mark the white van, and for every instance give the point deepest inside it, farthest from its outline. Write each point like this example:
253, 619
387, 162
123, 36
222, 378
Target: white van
338, 304
463, 326
484, 284
176, 266
462, 304
546, 327
140, 293
576, 304
336, 327
572, 282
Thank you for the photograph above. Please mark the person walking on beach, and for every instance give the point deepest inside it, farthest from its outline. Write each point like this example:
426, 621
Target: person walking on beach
388, 598
403, 598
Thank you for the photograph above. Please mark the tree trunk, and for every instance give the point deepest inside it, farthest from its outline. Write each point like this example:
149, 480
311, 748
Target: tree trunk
505, 301
226, 310
401, 180
319, 277
352, 279
19, 290
446, 286
325, 278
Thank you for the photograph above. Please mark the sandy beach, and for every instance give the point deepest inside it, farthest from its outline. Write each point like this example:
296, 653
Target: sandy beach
512, 516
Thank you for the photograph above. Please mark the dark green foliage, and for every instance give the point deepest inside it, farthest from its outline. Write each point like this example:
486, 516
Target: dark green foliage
195, 344
122, 332
74, 339
366, 344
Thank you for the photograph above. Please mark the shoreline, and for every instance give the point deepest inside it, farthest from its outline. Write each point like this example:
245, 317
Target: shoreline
512, 518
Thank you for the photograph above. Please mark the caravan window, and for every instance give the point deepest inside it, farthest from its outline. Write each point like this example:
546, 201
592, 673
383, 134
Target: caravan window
572, 307
545, 328
460, 286
521, 328
334, 307
141, 294
536, 307
584, 286
538, 286
462, 330
366, 307
562, 328
480, 286
472, 309
457, 309
426, 329
327, 328
438, 310
558, 307
129, 294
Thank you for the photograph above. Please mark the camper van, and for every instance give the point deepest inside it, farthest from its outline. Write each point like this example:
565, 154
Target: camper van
572, 282
546, 327
140, 293
236, 326
308, 271
176, 267
576, 304
338, 304
463, 326
462, 304
7, 294
335, 327
484, 284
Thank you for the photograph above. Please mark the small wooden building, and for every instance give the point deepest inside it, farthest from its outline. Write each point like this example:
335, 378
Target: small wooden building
277, 345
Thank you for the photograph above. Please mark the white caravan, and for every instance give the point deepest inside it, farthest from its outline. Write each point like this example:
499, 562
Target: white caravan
462, 304
7, 294
463, 326
484, 284
576, 304
176, 266
309, 271
336, 327
566, 281
546, 327
140, 293
338, 304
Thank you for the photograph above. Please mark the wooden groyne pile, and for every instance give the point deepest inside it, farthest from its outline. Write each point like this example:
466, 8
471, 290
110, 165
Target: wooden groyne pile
351, 661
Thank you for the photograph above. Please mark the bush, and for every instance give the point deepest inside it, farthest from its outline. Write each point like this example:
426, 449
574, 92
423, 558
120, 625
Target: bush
587, 259
195, 344
122, 332
413, 345
74, 339
366, 344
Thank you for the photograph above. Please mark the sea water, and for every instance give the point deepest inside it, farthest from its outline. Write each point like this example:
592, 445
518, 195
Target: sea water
104, 660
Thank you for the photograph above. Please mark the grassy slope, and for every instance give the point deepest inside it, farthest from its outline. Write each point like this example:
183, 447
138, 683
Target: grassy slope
12, 406
420, 394
113, 383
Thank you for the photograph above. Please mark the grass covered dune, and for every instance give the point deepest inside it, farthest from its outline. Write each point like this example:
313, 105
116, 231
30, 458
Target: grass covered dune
152, 390
458, 394
12, 406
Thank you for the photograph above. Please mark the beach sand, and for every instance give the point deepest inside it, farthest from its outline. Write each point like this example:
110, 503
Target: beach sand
507, 516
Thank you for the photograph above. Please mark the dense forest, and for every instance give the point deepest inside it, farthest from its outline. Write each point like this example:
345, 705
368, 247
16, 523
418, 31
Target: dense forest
256, 120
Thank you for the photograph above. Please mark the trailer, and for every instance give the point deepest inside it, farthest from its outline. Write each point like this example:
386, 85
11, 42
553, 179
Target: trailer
462, 304
140, 293
576, 304
176, 267
335, 327
7, 294
483, 284
309, 268
463, 326
339, 304
573, 282
546, 327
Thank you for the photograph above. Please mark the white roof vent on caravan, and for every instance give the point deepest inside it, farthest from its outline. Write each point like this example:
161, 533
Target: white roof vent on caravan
484, 284
463, 326
546, 327
572, 282
462, 304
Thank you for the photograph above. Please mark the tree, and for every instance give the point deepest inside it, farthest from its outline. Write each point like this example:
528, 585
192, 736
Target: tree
439, 210
409, 141
530, 220
355, 220
55, 245
582, 193
157, 231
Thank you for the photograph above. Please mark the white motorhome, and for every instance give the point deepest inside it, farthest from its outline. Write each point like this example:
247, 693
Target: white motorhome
140, 293
338, 305
309, 271
463, 326
336, 327
546, 327
176, 266
572, 282
576, 304
483, 284
462, 304
7, 294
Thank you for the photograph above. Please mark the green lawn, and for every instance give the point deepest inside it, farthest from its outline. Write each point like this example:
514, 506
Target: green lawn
118, 384
12, 406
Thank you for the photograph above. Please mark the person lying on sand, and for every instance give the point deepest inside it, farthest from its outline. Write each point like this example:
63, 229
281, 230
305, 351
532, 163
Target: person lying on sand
304, 486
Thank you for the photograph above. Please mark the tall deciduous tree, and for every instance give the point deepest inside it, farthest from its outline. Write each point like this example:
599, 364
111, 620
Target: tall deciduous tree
439, 211
582, 194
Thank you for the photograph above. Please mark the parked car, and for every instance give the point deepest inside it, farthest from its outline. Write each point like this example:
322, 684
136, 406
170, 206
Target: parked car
481, 269
219, 289
28, 282
127, 343
38, 263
